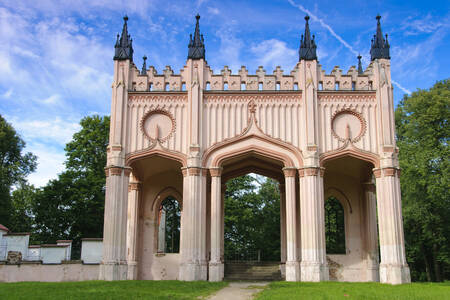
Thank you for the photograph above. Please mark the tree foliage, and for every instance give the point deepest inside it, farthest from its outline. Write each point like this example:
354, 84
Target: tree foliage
14, 167
252, 219
72, 206
423, 136
334, 226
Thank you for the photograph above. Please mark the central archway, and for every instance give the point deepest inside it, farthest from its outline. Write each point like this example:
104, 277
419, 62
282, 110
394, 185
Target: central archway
259, 155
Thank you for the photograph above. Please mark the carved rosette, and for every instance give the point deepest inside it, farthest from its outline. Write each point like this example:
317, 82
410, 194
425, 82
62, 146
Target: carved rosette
158, 125
347, 124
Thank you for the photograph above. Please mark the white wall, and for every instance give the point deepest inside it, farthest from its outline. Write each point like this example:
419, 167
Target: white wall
17, 243
49, 273
53, 254
91, 251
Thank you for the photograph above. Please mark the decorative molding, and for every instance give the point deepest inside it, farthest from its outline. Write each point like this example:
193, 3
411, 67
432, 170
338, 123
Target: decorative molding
155, 112
346, 97
215, 172
115, 171
289, 172
389, 171
377, 172
361, 119
134, 186
245, 97
160, 97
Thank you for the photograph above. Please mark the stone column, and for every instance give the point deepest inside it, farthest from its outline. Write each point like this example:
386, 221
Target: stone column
114, 264
216, 267
283, 229
194, 265
133, 227
222, 229
393, 266
314, 265
292, 263
371, 232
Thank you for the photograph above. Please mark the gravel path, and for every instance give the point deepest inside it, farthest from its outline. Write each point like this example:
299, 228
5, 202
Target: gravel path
238, 291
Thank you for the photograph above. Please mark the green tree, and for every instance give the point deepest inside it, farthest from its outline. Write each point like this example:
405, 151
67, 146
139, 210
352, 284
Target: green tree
14, 167
72, 205
423, 138
21, 217
252, 219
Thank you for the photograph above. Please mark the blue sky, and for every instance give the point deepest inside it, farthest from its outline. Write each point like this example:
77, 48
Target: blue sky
56, 56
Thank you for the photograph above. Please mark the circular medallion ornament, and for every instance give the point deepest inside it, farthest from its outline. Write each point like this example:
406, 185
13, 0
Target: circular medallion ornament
158, 125
348, 124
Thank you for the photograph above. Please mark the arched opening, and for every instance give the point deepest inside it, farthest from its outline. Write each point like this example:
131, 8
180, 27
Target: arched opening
169, 217
350, 216
252, 219
334, 226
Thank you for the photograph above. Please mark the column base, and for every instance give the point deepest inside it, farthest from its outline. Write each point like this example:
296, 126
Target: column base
314, 272
292, 271
373, 272
394, 274
113, 271
132, 270
193, 271
283, 270
216, 271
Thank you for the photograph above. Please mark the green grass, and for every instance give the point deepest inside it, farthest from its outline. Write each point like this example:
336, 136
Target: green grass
109, 290
344, 290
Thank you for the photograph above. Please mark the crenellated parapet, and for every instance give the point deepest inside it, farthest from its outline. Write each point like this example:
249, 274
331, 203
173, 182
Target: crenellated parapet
242, 80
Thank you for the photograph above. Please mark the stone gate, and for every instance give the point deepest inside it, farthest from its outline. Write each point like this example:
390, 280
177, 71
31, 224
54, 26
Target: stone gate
319, 135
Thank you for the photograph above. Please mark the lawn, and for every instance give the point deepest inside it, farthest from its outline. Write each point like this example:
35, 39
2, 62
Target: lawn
109, 290
344, 290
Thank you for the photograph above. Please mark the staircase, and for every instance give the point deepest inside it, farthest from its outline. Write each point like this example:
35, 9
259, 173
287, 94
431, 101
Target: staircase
252, 271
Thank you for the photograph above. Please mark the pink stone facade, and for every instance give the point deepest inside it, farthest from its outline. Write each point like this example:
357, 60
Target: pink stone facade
319, 135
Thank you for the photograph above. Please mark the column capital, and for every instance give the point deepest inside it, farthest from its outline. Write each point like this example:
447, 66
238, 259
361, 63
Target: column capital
134, 186
289, 171
194, 171
387, 171
216, 171
117, 171
311, 171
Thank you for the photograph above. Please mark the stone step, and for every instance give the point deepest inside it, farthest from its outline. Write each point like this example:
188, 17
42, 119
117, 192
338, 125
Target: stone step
253, 271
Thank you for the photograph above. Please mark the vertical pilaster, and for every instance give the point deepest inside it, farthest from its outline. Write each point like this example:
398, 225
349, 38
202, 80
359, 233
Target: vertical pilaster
216, 267
193, 248
314, 265
114, 264
393, 266
292, 263
371, 232
134, 188
283, 256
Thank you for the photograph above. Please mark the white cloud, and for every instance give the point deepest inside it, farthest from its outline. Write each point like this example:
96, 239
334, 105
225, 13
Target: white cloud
426, 24
50, 163
8, 93
51, 131
213, 10
272, 53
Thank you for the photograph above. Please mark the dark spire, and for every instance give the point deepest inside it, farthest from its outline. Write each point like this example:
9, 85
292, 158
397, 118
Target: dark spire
380, 46
197, 45
307, 45
360, 68
124, 47
144, 66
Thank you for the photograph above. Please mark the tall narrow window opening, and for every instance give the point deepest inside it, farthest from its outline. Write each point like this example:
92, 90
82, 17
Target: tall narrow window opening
169, 226
334, 226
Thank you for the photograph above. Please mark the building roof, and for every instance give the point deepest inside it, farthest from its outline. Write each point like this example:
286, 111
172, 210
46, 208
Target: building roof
2, 227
